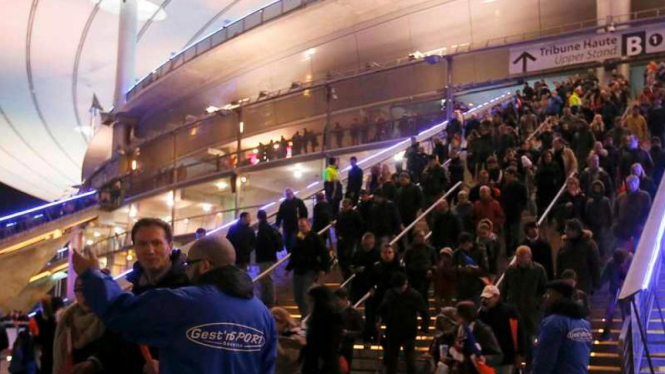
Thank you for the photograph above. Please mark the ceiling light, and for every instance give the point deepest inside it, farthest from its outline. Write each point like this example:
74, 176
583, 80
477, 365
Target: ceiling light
221, 185
488, 1
399, 157
297, 174
310, 52
243, 179
89, 242
212, 109
145, 9
96, 234
206, 207
133, 212
130, 257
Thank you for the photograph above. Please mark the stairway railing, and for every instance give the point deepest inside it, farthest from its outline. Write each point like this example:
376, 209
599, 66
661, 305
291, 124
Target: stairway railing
640, 289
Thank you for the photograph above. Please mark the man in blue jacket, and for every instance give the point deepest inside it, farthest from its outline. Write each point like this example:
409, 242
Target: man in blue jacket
217, 326
564, 342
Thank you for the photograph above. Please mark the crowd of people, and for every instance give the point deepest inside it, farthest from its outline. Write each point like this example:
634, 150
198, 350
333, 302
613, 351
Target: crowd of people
499, 278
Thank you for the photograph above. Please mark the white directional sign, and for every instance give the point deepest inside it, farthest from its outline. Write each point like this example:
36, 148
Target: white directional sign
573, 51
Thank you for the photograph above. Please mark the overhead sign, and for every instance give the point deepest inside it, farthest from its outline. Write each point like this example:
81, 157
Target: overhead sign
625, 43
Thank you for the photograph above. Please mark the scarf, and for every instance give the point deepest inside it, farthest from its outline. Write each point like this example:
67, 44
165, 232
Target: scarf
77, 327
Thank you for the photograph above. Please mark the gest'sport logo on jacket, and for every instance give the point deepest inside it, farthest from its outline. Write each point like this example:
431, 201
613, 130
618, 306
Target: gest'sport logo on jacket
227, 336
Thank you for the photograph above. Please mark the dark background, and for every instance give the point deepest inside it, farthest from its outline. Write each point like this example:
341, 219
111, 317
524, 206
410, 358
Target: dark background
12, 201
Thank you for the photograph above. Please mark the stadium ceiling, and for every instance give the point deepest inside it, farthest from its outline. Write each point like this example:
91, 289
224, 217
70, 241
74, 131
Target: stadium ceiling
57, 54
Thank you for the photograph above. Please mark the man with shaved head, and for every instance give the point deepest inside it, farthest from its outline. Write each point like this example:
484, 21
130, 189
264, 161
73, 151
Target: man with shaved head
217, 325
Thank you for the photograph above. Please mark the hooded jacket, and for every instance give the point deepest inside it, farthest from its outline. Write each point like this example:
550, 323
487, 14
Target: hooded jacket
580, 254
564, 341
598, 209
216, 326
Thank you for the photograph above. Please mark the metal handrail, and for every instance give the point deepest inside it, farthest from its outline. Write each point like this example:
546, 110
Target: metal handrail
556, 198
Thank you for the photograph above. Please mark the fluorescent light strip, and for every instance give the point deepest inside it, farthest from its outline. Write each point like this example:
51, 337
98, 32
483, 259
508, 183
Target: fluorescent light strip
654, 254
121, 275
47, 205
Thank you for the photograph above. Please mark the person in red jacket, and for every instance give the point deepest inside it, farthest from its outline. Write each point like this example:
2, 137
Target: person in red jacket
488, 208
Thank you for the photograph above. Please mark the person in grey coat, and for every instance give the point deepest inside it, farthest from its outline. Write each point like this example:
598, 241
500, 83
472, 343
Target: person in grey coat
580, 253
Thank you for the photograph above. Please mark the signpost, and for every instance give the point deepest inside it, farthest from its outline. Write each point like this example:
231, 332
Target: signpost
584, 49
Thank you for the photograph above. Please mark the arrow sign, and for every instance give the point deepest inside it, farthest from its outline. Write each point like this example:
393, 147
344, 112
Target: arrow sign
524, 57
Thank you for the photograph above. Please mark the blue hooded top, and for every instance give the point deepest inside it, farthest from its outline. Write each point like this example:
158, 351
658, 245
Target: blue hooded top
564, 341
217, 326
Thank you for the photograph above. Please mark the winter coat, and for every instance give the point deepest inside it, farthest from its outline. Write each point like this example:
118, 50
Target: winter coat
456, 170
567, 160
491, 210
354, 181
499, 319
465, 214
598, 210
289, 212
385, 219
349, 225
362, 265
419, 259
381, 277
445, 277
582, 144
576, 211
446, 227
322, 215
631, 156
399, 311
309, 254
434, 182
268, 243
564, 341
581, 255
549, 178
541, 252
174, 278
469, 283
524, 288
409, 200
324, 339
185, 323
513, 200
243, 239
631, 211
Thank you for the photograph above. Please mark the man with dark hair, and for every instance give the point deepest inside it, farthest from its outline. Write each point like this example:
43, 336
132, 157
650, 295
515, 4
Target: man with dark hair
268, 243
322, 215
243, 238
565, 338
409, 199
471, 265
290, 210
472, 333
309, 261
385, 220
200, 233
182, 323
420, 261
348, 229
354, 182
399, 311
631, 210
354, 324
580, 253
541, 250
579, 296
433, 180
514, 198
446, 226
362, 265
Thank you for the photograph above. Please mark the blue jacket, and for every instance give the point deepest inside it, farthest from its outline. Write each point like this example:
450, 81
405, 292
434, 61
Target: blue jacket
564, 341
215, 327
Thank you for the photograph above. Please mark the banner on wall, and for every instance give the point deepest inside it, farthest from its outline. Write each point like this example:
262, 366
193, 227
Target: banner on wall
584, 49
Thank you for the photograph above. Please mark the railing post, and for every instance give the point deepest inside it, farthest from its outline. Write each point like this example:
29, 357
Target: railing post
645, 341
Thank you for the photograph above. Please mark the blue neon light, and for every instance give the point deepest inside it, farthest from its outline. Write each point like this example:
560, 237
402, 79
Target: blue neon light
14, 215
654, 255
312, 184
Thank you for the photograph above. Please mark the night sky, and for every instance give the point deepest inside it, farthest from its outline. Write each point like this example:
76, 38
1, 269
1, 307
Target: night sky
12, 201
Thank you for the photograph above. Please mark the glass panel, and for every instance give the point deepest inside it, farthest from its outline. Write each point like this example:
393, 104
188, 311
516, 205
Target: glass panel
289, 5
272, 11
252, 20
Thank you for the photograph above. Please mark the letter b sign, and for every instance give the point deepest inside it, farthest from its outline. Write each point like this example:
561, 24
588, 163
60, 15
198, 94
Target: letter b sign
633, 44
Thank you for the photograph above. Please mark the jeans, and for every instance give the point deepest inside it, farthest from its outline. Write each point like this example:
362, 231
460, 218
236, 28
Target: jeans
267, 285
301, 284
391, 357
